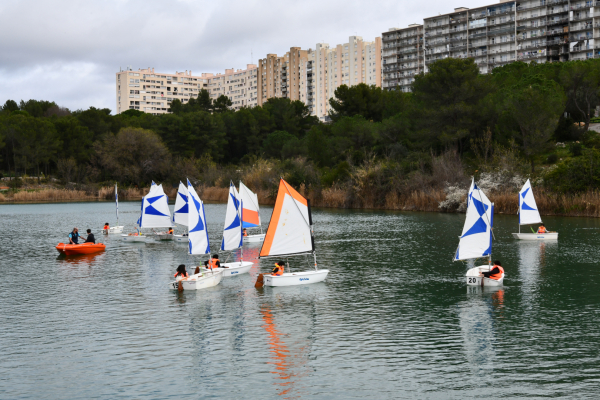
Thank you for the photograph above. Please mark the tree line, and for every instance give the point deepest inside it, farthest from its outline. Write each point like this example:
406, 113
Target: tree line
520, 106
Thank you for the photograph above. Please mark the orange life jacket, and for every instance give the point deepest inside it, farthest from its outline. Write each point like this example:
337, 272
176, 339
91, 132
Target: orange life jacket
170, 231
541, 229
177, 273
498, 275
245, 233
213, 263
278, 270
106, 227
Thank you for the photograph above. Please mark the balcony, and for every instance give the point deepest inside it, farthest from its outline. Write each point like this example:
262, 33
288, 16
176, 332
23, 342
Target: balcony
579, 28
501, 11
459, 20
582, 48
558, 11
531, 56
557, 32
554, 2
535, 45
437, 33
478, 35
508, 21
493, 32
524, 28
481, 53
576, 38
557, 21
582, 17
531, 6
532, 16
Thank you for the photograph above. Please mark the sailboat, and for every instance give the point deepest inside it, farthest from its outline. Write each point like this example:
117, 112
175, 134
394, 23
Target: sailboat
198, 243
290, 233
180, 213
529, 215
232, 235
476, 239
251, 214
118, 228
155, 214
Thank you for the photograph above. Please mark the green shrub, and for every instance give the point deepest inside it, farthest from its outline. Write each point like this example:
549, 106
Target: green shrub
552, 158
576, 149
575, 174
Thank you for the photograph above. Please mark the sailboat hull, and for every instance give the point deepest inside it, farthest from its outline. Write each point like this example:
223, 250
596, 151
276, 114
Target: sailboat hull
536, 236
132, 238
113, 230
180, 239
296, 278
233, 269
473, 278
199, 281
254, 238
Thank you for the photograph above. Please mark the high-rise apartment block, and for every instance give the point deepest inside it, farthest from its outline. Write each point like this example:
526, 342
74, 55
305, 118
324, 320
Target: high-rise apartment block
239, 85
151, 92
402, 56
312, 76
500, 33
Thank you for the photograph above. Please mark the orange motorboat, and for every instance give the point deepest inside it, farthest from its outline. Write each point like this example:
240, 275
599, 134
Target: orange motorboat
83, 248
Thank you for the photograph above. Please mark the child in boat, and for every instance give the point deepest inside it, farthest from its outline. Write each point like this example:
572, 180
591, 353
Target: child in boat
170, 232
74, 236
90, 237
181, 273
245, 232
496, 271
106, 228
279, 268
214, 262
542, 229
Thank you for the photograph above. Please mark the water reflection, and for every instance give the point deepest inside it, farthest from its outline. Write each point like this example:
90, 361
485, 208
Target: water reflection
477, 316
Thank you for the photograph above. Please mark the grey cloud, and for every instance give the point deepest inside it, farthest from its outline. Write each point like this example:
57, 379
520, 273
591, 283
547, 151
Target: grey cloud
69, 50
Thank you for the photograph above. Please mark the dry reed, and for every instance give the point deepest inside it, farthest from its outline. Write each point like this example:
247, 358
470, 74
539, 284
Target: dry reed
52, 195
2, 198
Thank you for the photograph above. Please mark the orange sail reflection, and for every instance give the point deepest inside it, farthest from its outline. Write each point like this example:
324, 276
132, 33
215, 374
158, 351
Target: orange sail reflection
284, 360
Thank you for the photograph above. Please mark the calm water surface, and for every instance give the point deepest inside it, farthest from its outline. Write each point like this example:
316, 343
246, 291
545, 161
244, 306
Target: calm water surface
393, 320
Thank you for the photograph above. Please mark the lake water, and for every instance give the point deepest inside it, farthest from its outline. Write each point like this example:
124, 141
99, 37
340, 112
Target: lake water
393, 320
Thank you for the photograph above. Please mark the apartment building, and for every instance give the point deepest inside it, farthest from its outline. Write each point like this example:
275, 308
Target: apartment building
495, 35
241, 86
312, 76
402, 56
151, 92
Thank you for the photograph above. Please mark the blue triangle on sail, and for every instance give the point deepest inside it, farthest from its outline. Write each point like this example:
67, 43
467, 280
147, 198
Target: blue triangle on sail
248, 225
183, 196
183, 210
199, 226
524, 206
524, 193
153, 211
223, 244
489, 249
456, 256
235, 223
190, 246
236, 202
153, 199
478, 227
480, 207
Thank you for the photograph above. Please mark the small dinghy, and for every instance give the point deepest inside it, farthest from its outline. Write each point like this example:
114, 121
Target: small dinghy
180, 212
232, 236
199, 281
290, 233
118, 228
529, 215
251, 214
198, 243
82, 248
155, 214
476, 239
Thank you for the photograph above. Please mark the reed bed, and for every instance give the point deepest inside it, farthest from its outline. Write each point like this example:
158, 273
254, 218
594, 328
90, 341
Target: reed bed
2, 197
52, 195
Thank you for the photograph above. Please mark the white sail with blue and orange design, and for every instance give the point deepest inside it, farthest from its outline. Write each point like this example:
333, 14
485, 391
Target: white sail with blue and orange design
198, 235
251, 211
476, 238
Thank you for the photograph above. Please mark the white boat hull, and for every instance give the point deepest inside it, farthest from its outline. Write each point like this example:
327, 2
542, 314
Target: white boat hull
132, 238
199, 281
473, 278
163, 236
296, 278
536, 236
113, 230
233, 269
254, 238
180, 239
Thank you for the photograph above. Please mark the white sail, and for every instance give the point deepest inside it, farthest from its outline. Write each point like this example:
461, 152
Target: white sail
250, 213
528, 212
476, 238
155, 209
198, 235
232, 232
180, 212
289, 230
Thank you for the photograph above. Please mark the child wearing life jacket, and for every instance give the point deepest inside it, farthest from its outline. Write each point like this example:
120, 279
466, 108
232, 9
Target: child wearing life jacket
106, 228
279, 268
245, 232
181, 273
542, 229
496, 271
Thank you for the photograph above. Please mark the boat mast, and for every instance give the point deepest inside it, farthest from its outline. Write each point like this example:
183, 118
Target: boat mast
117, 202
312, 233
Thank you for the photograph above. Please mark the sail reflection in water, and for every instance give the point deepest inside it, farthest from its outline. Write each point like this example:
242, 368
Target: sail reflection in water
289, 361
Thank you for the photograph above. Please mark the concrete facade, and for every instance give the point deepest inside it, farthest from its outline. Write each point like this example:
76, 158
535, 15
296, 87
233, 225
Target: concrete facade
402, 56
148, 91
239, 85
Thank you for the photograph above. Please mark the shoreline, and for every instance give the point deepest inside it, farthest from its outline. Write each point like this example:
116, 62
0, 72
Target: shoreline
506, 202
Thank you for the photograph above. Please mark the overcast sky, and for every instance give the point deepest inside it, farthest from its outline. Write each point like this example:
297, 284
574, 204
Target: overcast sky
68, 51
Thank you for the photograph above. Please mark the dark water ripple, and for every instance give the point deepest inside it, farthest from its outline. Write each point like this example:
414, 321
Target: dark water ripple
394, 319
